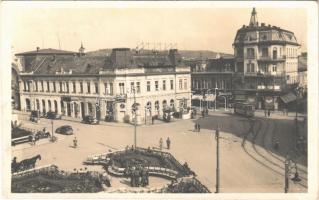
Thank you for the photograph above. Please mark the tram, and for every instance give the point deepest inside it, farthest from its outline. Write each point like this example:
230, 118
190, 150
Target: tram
245, 109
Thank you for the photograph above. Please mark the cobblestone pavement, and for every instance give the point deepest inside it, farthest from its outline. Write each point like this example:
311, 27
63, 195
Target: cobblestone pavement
253, 166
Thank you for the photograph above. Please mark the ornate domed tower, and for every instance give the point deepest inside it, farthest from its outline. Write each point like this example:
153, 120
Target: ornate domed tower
81, 50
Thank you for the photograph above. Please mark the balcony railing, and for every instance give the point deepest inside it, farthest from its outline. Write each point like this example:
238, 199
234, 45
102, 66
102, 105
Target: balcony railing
269, 58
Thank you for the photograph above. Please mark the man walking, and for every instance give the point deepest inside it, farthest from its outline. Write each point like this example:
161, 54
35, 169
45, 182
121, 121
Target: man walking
168, 143
198, 127
268, 112
75, 142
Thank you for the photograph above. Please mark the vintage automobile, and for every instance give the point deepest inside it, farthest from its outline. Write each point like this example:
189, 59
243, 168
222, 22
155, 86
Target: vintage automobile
65, 130
88, 119
53, 115
35, 116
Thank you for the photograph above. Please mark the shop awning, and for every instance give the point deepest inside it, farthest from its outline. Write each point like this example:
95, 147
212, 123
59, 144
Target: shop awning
198, 97
288, 97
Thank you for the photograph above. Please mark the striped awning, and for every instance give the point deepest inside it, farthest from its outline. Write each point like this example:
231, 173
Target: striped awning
288, 97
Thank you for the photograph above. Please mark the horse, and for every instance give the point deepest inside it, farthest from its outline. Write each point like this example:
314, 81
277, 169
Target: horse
29, 163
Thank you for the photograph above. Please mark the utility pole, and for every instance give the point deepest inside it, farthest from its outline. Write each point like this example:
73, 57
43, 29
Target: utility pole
135, 118
52, 129
287, 171
217, 159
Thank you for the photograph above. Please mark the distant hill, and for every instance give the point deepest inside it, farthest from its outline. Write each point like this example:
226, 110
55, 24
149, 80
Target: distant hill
186, 54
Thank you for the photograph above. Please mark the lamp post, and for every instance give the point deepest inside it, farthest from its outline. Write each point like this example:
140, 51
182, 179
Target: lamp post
215, 96
296, 178
225, 102
217, 159
135, 118
52, 137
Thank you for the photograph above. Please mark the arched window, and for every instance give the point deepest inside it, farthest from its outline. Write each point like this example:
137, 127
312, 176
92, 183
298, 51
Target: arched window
43, 106
274, 53
171, 103
164, 103
49, 104
28, 104
55, 106
38, 104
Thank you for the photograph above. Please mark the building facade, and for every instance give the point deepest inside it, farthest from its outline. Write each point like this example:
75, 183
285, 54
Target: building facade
107, 86
266, 59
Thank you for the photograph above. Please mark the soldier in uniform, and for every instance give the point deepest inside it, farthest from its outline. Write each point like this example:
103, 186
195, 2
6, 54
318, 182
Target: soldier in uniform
168, 143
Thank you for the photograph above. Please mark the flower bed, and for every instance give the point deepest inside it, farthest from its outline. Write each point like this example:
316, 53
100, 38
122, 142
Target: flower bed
51, 180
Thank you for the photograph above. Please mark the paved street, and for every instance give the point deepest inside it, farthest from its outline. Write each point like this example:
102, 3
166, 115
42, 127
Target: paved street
253, 166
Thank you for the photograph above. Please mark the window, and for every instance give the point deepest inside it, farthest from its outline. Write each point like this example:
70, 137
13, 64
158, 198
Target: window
67, 87
96, 88
264, 52
106, 89
42, 87
60, 87
180, 84
36, 86
121, 88
132, 87
74, 87
172, 84
54, 87
250, 53
274, 68
138, 87
185, 84
250, 67
111, 88
164, 85
48, 86
81, 87
148, 86
274, 53
88, 87
156, 85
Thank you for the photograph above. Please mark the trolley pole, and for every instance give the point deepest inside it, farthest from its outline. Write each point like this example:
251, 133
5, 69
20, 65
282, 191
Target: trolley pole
286, 175
135, 118
217, 160
52, 129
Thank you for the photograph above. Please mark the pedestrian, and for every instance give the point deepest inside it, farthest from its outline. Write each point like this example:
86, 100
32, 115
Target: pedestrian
168, 143
152, 120
265, 112
268, 112
33, 139
198, 127
75, 142
203, 113
195, 127
161, 144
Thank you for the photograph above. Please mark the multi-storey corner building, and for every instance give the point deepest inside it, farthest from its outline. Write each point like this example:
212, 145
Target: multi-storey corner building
75, 84
266, 59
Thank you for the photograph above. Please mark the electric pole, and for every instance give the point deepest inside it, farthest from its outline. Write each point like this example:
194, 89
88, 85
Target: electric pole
135, 118
217, 159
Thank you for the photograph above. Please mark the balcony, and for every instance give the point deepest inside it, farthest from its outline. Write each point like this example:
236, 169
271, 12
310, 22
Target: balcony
271, 59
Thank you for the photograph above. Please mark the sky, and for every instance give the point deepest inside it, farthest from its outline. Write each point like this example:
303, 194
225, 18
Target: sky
201, 28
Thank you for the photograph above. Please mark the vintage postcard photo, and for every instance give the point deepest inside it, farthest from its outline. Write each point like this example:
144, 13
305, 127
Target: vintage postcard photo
160, 97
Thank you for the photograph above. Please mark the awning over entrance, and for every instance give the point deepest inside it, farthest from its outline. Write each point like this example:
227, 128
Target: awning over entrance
198, 97
288, 97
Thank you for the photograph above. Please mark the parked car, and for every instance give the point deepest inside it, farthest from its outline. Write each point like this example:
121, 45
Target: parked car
90, 120
66, 130
35, 116
53, 115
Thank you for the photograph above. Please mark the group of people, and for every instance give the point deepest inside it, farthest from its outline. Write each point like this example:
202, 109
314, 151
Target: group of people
204, 112
267, 112
139, 176
197, 127
168, 143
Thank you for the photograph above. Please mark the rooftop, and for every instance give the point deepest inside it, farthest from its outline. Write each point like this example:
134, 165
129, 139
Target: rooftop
48, 51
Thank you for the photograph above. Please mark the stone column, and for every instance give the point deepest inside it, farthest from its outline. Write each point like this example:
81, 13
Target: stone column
80, 110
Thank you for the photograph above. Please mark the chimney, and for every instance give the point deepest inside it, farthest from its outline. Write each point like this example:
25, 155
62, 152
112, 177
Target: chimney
38, 48
174, 56
121, 57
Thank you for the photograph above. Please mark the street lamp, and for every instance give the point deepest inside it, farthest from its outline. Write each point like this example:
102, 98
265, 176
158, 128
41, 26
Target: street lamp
215, 96
217, 159
225, 102
135, 118
288, 167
